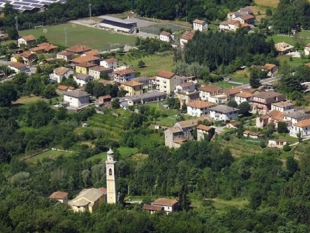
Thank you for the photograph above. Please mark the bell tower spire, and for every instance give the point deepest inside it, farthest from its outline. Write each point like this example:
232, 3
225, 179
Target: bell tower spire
110, 175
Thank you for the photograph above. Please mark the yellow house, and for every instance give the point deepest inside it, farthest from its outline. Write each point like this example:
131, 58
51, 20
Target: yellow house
16, 58
88, 200
83, 67
132, 88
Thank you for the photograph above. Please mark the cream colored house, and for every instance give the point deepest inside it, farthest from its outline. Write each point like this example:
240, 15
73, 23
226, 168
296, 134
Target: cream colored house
200, 25
110, 63
28, 40
59, 73
167, 81
59, 196
169, 205
96, 71
88, 200
76, 99
132, 88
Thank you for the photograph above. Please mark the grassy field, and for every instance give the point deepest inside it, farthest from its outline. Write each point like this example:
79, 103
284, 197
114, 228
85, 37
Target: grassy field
102, 156
77, 34
153, 64
127, 151
294, 63
268, 3
52, 154
221, 205
27, 99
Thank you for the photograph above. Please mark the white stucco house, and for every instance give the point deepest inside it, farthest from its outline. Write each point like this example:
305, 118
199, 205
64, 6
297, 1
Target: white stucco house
302, 127
243, 97
60, 73
198, 108
200, 25
283, 106
82, 79
165, 36
28, 40
169, 205
110, 63
76, 98
223, 113
205, 92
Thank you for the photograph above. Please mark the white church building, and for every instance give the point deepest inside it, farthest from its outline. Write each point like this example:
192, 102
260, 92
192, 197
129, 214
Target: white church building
110, 174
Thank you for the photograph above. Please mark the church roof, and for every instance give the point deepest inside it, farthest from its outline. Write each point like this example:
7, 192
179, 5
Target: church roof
110, 151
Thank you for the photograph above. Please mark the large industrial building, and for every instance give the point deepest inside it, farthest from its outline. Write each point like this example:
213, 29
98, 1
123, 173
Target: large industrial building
118, 25
29, 5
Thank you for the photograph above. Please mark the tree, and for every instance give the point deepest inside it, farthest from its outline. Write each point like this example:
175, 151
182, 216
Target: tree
13, 33
232, 103
299, 137
184, 202
291, 165
254, 78
7, 94
115, 103
244, 108
269, 12
141, 64
49, 92
282, 127
41, 39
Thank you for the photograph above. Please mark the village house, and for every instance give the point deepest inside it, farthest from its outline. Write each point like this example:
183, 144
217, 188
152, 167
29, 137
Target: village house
93, 52
28, 58
231, 25
232, 92
278, 143
296, 116
253, 135
28, 40
181, 132
271, 69
262, 101
16, 58
44, 48
165, 36
233, 124
203, 131
63, 88
152, 209
186, 97
62, 197
84, 67
76, 99
167, 81
18, 67
82, 79
86, 58
246, 10
223, 113
64, 55
283, 106
78, 49
144, 98
88, 200
110, 63
243, 97
205, 92
273, 116
146, 82
122, 76
59, 73
283, 48
200, 25
185, 38
245, 19
132, 88
104, 100
97, 71
302, 127
218, 99
169, 205
185, 87
198, 108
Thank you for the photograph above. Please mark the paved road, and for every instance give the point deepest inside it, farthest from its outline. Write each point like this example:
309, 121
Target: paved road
262, 81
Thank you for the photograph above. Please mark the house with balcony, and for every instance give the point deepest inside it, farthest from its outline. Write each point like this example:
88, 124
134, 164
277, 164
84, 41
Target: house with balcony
124, 75
198, 108
167, 81
84, 67
283, 106
205, 92
302, 127
132, 88
262, 101
97, 71
60, 73
223, 113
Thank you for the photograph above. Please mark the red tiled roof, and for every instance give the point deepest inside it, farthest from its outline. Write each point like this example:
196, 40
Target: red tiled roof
78, 49
200, 104
303, 123
58, 195
204, 127
132, 83
29, 38
198, 21
210, 88
123, 72
110, 60
165, 202
17, 65
152, 207
187, 36
165, 74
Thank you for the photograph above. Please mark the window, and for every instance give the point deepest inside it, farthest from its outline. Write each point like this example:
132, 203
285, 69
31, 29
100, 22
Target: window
110, 172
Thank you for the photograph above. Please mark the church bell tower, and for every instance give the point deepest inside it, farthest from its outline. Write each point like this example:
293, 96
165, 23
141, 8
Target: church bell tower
110, 174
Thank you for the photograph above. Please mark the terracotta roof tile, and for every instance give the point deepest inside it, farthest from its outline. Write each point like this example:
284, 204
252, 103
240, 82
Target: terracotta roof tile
78, 49
132, 83
200, 104
61, 70
165, 202
244, 95
152, 207
187, 36
204, 127
124, 72
303, 123
58, 195
29, 38
198, 21
210, 88
110, 60
165, 74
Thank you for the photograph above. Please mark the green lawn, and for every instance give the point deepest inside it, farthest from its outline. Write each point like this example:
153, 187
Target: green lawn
52, 154
220, 205
27, 99
127, 151
294, 62
77, 34
153, 64
102, 156
225, 85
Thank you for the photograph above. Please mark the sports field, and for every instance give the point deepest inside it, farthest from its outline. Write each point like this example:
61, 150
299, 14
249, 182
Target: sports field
155, 29
77, 34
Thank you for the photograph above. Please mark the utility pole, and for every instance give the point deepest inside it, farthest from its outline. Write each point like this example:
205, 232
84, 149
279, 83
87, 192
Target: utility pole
16, 23
66, 39
89, 5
